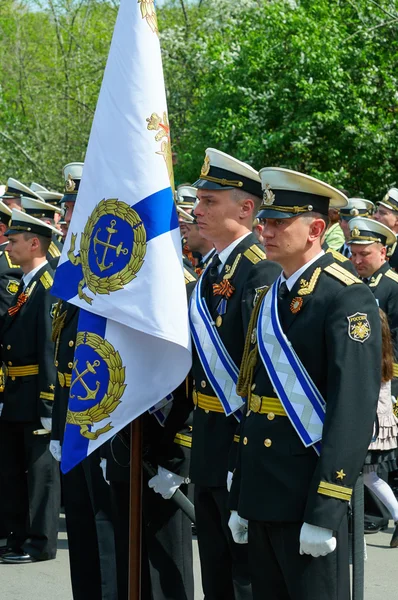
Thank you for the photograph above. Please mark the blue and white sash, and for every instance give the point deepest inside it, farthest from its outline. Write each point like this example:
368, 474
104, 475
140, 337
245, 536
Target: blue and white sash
298, 394
221, 371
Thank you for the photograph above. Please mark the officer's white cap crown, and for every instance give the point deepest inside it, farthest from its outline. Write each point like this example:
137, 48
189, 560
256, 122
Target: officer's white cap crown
288, 193
222, 171
35, 207
22, 222
390, 200
73, 170
186, 194
356, 207
52, 197
368, 231
17, 188
2, 189
37, 187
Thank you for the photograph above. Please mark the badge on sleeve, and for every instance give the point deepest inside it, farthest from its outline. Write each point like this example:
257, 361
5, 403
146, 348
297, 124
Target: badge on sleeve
12, 286
359, 327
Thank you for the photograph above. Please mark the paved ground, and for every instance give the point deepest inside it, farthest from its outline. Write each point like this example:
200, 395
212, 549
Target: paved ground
50, 580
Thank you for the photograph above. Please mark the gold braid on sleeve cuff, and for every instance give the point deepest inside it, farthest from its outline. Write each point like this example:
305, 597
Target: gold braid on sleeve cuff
335, 491
46, 396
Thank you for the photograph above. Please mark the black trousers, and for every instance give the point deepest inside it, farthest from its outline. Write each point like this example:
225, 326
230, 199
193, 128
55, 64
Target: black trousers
167, 564
90, 532
279, 572
30, 488
224, 564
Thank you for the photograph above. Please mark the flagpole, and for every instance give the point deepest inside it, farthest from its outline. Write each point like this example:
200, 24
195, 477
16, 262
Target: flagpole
135, 509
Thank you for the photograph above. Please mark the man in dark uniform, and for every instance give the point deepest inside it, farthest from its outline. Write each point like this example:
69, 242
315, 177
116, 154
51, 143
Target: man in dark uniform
46, 213
86, 494
29, 474
10, 274
229, 193
369, 241
309, 337
356, 207
167, 563
387, 214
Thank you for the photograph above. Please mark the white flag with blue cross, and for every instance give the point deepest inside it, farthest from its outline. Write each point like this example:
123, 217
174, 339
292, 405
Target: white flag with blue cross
121, 262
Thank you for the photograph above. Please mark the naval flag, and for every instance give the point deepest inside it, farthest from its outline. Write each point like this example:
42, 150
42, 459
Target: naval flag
121, 262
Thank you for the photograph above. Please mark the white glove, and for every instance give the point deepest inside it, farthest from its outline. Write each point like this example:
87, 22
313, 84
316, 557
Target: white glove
316, 541
1, 408
229, 480
165, 483
47, 423
55, 449
103, 464
238, 527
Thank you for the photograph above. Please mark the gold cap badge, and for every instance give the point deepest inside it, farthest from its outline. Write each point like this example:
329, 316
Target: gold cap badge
205, 166
70, 184
268, 195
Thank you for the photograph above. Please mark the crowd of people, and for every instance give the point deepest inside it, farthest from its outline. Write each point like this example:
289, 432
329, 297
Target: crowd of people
293, 306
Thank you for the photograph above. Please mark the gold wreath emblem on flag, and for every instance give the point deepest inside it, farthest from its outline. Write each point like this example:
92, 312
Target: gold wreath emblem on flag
102, 248
107, 354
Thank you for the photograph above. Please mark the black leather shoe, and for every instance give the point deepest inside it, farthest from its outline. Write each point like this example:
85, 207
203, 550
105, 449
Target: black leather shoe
373, 528
17, 558
394, 539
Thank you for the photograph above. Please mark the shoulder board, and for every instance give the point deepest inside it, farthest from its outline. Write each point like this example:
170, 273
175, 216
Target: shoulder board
53, 250
46, 280
341, 274
254, 254
60, 239
10, 264
392, 275
337, 255
188, 277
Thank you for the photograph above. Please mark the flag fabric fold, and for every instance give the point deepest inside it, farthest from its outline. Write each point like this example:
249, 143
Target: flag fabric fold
121, 263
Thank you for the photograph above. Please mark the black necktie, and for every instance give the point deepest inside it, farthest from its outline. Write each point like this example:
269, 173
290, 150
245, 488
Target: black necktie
213, 269
283, 291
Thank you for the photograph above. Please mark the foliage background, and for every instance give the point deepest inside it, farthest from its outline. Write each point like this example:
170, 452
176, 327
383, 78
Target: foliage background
311, 85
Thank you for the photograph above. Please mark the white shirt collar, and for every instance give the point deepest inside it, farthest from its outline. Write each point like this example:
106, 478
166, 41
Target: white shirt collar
206, 257
27, 278
223, 255
293, 278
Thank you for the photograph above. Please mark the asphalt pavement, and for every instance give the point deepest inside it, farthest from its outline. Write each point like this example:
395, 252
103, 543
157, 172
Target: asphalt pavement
49, 580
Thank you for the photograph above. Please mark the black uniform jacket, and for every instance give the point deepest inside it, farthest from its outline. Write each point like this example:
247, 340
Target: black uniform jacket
392, 254
167, 445
213, 432
10, 276
384, 285
335, 330
64, 336
26, 345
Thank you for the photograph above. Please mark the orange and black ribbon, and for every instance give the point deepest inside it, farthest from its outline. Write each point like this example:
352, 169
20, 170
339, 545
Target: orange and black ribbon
22, 298
225, 288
